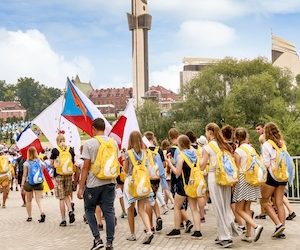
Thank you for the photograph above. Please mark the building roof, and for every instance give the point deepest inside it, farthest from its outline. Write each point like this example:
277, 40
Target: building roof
86, 88
162, 90
11, 106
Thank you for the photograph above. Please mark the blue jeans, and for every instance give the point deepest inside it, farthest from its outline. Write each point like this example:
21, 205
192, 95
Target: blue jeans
103, 196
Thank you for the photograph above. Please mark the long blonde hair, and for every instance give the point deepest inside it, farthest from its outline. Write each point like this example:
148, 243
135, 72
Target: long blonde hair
32, 154
135, 141
272, 132
215, 129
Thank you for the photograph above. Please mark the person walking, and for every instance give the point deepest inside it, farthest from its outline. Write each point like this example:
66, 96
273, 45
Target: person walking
62, 159
32, 182
98, 181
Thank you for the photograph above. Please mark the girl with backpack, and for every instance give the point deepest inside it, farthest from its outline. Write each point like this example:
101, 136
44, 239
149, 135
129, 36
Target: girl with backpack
137, 187
270, 151
32, 181
244, 193
220, 195
183, 171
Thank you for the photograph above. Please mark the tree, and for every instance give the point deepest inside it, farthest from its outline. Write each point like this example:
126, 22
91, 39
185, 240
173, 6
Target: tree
241, 93
35, 97
150, 118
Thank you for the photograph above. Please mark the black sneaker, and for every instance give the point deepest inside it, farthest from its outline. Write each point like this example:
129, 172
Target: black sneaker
63, 224
97, 244
260, 217
175, 233
226, 243
291, 216
188, 226
278, 230
148, 238
280, 236
159, 224
42, 219
71, 217
73, 206
197, 235
181, 225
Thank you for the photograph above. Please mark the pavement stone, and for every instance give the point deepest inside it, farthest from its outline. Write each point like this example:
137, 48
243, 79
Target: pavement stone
17, 234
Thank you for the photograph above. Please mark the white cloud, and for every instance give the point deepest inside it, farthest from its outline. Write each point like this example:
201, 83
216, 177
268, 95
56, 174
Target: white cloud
205, 34
168, 77
29, 54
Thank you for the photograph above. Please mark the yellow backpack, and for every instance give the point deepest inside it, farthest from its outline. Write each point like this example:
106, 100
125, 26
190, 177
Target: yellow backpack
122, 176
196, 186
106, 165
284, 169
153, 167
139, 182
4, 165
63, 163
256, 172
226, 169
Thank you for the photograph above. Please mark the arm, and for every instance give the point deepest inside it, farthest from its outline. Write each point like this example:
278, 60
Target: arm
178, 169
84, 173
25, 172
237, 160
204, 160
266, 155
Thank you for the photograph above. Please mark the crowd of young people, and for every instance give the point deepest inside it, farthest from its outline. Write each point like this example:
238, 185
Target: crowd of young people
155, 180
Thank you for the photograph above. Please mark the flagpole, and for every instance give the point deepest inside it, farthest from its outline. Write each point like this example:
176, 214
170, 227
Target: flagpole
63, 102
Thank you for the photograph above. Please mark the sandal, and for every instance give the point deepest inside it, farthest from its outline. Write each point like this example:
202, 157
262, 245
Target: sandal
29, 219
42, 219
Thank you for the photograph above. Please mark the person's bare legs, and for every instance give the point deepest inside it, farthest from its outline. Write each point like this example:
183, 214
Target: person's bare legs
28, 197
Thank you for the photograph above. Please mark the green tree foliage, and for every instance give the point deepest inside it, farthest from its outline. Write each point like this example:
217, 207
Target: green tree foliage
150, 119
35, 97
242, 93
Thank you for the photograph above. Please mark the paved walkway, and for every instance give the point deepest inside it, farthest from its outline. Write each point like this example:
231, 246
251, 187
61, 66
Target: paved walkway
17, 234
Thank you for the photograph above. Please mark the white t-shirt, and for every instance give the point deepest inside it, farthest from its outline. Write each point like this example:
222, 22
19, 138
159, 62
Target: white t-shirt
268, 154
212, 156
89, 152
244, 157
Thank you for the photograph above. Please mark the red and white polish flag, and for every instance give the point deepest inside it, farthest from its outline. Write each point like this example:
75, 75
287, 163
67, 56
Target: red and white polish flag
125, 125
27, 139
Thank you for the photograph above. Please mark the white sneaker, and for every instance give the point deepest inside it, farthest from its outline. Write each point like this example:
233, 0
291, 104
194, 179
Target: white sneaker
257, 232
247, 239
131, 237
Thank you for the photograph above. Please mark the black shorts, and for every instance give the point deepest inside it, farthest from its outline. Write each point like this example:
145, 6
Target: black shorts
155, 186
179, 189
271, 182
30, 188
119, 181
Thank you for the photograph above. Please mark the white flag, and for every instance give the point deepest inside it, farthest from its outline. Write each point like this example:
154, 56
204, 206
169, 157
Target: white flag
125, 125
51, 122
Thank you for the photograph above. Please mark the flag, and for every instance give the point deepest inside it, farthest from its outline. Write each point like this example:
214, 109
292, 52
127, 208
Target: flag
51, 123
48, 181
27, 139
125, 125
80, 110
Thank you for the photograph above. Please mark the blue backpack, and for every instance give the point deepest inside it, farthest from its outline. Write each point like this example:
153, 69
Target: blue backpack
35, 173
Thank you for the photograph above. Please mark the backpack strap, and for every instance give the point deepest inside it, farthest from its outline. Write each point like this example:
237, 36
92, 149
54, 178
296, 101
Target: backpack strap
214, 148
245, 149
63, 150
274, 145
187, 160
101, 140
133, 159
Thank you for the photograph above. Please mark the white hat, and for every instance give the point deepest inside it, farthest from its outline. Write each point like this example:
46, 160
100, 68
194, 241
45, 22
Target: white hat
202, 141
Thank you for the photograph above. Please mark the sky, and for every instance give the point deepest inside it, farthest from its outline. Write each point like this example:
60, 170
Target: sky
49, 40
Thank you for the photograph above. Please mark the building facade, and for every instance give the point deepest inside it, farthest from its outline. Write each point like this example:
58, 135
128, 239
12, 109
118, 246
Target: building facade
192, 66
9, 110
85, 87
284, 55
111, 100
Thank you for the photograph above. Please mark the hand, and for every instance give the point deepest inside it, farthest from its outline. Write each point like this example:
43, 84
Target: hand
80, 194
